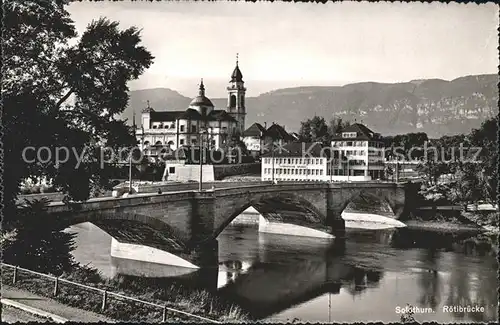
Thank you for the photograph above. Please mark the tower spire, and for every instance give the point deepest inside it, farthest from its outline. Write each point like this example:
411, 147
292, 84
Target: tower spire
202, 88
237, 54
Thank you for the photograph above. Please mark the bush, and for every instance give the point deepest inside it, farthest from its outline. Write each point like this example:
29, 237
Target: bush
35, 189
25, 190
35, 228
47, 189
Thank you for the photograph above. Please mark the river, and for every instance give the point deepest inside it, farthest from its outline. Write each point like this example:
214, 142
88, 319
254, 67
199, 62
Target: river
275, 277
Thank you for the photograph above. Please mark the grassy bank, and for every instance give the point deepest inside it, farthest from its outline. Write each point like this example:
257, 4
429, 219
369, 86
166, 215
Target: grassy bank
201, 303
442, 226
454, 220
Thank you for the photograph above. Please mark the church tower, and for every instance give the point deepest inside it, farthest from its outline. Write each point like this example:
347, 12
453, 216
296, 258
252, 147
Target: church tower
236, 98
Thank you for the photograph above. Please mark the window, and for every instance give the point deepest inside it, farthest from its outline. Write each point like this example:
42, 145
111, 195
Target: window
288, 161
171, 170
321, 172
213, 142
182, 128
317, 161
154, 126
193, 141
181, 141
193, 128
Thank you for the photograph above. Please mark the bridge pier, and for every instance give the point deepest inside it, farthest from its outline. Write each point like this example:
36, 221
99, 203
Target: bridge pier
337, 227
205, 255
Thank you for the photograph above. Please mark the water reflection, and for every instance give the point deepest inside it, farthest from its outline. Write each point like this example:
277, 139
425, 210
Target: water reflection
361, 279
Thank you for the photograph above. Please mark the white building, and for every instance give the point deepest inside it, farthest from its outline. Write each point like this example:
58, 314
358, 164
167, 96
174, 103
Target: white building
199, 123
356, 154
361, 153
253, 137
297, 162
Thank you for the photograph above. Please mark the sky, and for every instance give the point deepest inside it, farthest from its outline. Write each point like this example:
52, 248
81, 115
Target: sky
303, 44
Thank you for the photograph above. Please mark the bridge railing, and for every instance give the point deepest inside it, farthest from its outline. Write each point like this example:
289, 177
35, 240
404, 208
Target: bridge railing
105, 293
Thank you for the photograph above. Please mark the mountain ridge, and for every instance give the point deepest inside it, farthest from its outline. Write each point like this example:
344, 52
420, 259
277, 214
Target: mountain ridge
435, 106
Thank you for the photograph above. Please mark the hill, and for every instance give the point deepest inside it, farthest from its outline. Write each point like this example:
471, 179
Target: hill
437, 107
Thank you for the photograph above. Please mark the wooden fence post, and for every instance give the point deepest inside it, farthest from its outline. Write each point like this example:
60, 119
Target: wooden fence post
164, 318
104, 297
14, 277
56, 286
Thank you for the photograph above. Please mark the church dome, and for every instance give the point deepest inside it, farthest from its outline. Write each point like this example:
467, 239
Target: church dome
201, 99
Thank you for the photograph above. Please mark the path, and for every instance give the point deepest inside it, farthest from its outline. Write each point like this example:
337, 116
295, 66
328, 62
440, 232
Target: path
14, 315
51, 306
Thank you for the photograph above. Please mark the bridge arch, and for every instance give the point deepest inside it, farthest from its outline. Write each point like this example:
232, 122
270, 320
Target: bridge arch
275, 206
133, 228
382, 198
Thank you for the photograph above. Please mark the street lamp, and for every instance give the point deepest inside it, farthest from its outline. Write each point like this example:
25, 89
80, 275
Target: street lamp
397, 169
130, 172
348, 169
272, 159
202, 131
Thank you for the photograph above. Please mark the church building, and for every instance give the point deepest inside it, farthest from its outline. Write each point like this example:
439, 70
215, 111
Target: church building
199, 124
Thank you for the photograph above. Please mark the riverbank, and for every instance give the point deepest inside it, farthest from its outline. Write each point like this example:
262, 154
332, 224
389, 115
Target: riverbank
442, 226
198, 302
54, 311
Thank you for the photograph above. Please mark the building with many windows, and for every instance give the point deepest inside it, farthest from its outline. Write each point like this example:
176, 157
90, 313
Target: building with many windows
296, 162
360, 152
356, 154
199, 124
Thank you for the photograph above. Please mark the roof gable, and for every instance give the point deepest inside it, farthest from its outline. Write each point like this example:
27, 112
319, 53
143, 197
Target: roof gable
255, 130
276, 131
362, 132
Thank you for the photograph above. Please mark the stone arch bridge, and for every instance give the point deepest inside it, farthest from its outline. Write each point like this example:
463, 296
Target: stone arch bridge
181, 222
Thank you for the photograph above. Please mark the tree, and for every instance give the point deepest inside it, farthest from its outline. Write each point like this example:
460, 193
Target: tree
42, 72
60, 94
314, 130
407, 144
465, 188
337, 125
485, 138
37, 243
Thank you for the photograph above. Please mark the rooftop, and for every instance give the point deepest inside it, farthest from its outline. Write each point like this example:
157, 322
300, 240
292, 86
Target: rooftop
276, 132
362, 133
255, 130
301, 149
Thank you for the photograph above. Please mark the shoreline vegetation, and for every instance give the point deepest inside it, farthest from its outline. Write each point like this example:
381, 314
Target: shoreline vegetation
198, 302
